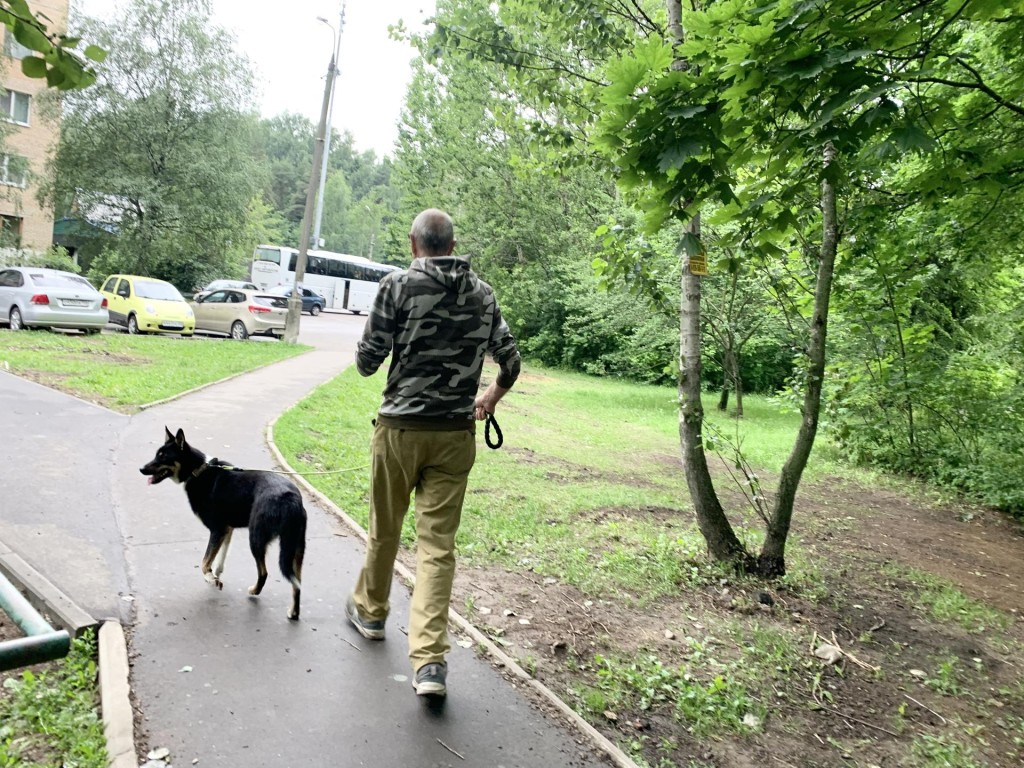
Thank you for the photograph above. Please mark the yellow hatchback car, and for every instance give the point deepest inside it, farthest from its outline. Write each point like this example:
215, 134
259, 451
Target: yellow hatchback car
147, 305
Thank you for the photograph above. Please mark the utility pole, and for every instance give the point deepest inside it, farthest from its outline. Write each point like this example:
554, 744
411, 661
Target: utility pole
291, 326
315, 242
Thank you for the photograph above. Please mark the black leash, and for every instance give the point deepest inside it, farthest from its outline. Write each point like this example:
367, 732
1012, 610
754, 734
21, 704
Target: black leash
490, 421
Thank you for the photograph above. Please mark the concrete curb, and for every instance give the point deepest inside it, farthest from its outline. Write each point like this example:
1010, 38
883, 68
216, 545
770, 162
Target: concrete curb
43, 595
112, 664
115, 698
595, 737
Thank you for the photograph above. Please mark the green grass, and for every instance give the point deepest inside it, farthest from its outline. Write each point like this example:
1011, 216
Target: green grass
642, 683
943, 602
943, 751
51, 718
124, 372
587, 488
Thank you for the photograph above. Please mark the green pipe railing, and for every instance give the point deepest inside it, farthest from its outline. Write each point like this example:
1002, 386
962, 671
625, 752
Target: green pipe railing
41, 642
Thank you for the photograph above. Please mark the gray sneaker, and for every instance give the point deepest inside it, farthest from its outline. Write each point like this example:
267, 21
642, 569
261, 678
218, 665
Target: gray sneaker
430, 678
371, 630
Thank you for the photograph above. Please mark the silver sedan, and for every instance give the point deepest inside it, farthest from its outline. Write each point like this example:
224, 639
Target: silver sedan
34, 297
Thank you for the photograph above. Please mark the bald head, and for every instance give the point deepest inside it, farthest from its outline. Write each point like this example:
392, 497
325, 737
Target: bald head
432, 234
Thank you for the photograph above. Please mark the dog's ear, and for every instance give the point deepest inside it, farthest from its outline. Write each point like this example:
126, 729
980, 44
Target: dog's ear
169, 438
180, 438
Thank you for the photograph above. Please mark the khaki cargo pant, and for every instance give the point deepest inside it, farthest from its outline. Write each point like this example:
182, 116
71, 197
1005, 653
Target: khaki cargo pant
435, 465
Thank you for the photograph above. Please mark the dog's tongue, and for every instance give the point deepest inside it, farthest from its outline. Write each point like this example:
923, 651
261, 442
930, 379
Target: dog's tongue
149, 480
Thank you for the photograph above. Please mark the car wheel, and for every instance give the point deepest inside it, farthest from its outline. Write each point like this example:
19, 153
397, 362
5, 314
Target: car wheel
90, 331
314, 310
133, 325
238, 331
17, 324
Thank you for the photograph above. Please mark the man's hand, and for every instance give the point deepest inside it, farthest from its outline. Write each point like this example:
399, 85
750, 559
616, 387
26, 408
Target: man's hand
487, 401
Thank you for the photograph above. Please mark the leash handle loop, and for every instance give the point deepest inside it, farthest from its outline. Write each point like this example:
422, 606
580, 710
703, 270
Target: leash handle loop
490, 421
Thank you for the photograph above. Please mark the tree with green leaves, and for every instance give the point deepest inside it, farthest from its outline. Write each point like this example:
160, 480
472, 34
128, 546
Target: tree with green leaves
53, 54
358, 197
767, 116
773, 102
527, 226
159, 151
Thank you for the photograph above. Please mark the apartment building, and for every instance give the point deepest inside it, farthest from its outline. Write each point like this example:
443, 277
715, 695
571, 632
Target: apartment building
26, 140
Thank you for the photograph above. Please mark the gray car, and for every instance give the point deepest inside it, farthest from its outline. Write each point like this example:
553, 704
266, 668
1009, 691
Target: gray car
34, 297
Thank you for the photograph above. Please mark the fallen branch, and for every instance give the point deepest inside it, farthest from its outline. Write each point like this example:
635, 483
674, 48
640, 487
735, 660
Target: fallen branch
851, 657
482, 589
922, 706
832, 652
857, 720
450, 750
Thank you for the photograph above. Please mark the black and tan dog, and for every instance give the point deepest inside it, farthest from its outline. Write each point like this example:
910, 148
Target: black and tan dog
225, 498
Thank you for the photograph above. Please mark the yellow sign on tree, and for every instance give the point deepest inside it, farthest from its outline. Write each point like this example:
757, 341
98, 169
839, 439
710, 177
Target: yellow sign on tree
699, 264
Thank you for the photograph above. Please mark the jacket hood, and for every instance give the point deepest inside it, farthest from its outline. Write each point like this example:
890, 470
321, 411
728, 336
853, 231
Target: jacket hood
453, 272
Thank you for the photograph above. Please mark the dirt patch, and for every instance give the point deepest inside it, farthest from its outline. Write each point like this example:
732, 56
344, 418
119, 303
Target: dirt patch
563, 471
906, 688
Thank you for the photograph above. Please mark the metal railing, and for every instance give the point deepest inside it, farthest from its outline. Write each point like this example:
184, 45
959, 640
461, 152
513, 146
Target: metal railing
41, 642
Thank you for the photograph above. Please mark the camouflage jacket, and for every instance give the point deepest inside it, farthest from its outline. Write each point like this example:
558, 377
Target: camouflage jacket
436, 319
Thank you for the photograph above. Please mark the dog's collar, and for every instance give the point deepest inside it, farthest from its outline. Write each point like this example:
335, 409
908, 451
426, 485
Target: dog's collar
202, 468
214, 462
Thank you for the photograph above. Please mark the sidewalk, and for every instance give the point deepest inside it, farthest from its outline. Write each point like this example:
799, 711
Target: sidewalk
222, 679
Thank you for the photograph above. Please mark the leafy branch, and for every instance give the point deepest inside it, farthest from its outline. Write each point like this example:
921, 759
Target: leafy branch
58, 63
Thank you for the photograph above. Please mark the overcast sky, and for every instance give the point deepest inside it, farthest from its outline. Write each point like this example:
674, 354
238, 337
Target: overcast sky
290, 50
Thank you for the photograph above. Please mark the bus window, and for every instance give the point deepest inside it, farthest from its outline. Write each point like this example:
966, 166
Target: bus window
294, 262
317, 266
336, 268
268, 254
377, 273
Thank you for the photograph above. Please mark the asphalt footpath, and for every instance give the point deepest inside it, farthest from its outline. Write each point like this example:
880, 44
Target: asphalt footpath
219, 678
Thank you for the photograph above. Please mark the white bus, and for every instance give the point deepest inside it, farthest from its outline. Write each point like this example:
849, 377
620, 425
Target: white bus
346, 282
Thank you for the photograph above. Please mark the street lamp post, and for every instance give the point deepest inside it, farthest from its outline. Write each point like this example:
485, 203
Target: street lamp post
291, 327
315, 243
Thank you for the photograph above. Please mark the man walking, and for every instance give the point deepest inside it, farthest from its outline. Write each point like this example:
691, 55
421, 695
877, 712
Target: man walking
436, 319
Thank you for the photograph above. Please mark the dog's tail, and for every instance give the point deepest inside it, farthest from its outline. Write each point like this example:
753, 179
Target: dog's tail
293, 549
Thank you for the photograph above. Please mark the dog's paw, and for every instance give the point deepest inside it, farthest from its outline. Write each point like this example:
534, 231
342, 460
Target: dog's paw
254, 591
213, 581
293, 615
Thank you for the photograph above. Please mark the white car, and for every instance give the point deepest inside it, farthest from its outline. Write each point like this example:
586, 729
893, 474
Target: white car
33, 297
216, 285
240, 313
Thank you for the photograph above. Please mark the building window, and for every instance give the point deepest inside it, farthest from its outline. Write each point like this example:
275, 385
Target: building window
13, 170
14, 106
13, 48
10, 231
